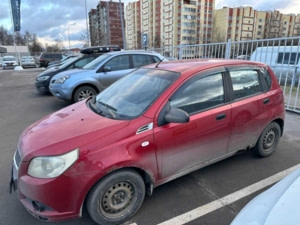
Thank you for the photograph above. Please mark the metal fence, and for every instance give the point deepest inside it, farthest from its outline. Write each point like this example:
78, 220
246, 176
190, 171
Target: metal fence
281, 54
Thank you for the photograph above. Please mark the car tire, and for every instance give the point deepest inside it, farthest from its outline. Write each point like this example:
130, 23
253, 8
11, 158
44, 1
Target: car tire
268, 140
116, 198
84, 92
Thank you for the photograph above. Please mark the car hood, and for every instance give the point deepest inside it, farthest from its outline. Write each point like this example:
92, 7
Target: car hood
278, 205
48, 71
69, 72
65, 130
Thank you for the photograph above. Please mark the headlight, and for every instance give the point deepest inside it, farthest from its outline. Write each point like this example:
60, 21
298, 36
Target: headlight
42, 78
61, 80
3, 64
52, 166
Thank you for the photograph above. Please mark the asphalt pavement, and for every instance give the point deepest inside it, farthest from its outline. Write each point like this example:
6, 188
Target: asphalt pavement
21, 105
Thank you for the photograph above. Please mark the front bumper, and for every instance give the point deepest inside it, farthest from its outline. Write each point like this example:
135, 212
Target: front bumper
42, 86
58, 91
53, 199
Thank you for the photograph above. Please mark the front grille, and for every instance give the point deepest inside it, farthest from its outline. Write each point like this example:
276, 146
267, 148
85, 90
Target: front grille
17, 159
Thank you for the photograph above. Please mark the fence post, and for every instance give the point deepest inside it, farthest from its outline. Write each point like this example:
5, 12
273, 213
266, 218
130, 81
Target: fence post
180, 51
228, 49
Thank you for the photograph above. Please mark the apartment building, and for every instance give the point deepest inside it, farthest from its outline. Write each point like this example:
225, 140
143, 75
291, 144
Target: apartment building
93, 27
170, 22
106, 29
245, 23
133, 25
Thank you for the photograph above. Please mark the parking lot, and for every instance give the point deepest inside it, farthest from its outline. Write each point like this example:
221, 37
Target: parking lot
209, 196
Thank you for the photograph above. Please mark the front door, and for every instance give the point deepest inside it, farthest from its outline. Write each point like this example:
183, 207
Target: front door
185, 146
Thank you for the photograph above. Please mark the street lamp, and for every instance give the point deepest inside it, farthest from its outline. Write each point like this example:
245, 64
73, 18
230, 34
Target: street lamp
72, 24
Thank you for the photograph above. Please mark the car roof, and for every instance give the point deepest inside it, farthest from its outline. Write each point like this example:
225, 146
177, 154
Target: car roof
190, 65
133, 52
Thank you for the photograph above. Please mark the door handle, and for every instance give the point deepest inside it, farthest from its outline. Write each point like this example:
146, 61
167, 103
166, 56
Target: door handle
220, 116
266, 101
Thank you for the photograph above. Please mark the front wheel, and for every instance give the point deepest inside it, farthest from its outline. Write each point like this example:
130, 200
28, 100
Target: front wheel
84, 92
116, 198
268, 140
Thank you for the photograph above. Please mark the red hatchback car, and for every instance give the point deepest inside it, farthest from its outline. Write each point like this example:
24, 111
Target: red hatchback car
152, 126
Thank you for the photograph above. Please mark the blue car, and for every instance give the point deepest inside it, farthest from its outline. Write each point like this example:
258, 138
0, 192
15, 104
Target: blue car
79, 84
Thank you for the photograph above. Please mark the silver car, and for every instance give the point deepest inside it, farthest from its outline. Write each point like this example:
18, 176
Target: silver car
79, 84
28, 61
9, 62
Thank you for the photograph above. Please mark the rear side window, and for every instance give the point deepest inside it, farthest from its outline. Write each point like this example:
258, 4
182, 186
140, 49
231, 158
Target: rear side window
267, 78
245, 83
139, 60
119, 63
288, 58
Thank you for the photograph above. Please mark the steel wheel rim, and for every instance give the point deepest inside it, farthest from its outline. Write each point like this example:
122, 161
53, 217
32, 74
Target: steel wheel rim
85, 94
269, 140
117, 199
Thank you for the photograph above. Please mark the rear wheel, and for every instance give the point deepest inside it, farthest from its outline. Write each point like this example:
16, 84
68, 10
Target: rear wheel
116, 198
268, 140
84, 92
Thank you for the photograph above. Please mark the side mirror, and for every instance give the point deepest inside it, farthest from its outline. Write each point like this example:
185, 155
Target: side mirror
176, 115
106, 69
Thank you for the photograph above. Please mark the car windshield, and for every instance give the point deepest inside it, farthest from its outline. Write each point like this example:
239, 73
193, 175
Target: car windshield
67, 62
9, 58
130, 96
93, 64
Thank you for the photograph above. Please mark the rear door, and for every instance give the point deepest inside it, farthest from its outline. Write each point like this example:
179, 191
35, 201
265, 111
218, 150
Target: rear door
251, 107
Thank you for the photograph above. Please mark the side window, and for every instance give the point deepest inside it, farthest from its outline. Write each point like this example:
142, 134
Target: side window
155, 59
139, 60
245, 83
267, 78
119, 63
289, 58
82, 62
199, 94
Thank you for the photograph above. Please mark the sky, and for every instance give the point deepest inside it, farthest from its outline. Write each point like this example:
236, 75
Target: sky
51, 19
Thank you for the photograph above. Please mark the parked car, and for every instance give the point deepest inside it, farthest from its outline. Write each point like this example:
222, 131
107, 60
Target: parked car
79, 84
59, 62
43, 79
9, 62
156, 124
275, 206
243, 57
1, 61
284, 60
28, 61
45, 58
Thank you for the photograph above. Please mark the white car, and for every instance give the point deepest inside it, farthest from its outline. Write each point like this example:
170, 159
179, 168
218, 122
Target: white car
28, 61
279, 205
9, 62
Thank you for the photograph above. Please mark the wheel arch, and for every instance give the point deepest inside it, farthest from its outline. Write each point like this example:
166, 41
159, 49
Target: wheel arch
82, 85
280, 123
147, 178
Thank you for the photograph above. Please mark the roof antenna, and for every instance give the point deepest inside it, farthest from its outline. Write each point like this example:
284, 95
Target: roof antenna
159, 63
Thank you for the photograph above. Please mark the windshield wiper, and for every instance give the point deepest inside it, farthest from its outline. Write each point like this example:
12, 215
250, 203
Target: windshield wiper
108, 106
93, 106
